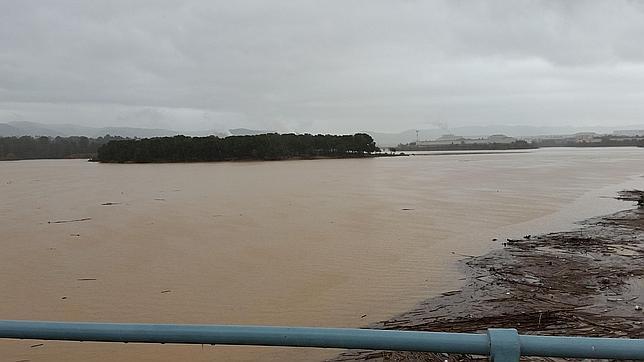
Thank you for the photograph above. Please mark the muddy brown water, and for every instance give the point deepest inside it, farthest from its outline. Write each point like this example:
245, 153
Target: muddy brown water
298, 243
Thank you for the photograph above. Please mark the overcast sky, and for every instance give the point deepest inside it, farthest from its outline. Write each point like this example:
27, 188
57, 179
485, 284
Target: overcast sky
322, 66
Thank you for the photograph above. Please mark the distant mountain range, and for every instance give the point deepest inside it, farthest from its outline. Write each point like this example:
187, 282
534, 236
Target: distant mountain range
24, 128
35, 129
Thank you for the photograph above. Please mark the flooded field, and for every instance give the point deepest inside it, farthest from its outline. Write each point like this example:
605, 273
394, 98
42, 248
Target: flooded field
313, 243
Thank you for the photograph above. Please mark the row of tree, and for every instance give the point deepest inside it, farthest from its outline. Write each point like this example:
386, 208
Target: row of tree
27, 147
516, 145
270, 146
604, 141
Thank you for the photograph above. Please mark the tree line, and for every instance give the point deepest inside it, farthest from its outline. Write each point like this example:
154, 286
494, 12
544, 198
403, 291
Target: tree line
603, 141
27, 147
516, 145
270, 146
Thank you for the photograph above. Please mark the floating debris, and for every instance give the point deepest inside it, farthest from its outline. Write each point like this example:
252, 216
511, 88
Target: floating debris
632, 195
66, 221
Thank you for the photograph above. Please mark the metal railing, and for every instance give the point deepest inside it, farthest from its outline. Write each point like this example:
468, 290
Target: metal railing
500, 344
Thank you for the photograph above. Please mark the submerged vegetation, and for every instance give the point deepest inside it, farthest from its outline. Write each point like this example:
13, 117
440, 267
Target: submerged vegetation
271, 146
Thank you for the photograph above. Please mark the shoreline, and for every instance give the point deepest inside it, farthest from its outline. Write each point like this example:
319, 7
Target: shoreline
91, 159
299, 158
584, 282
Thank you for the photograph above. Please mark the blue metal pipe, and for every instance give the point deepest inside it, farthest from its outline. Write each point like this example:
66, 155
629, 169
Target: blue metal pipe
249, 335
582, 347
503, 344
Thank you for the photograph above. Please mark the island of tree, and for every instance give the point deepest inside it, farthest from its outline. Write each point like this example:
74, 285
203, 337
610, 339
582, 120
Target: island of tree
270, 146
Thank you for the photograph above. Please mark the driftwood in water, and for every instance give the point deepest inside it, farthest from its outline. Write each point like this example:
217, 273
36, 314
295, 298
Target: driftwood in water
66, 221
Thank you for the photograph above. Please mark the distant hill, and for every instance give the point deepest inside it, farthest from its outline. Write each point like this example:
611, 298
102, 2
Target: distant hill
136, 132
33, 129
247, 132
382, 139
8, 130
23, 128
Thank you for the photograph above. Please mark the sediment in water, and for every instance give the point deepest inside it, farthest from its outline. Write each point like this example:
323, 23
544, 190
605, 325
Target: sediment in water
586, 282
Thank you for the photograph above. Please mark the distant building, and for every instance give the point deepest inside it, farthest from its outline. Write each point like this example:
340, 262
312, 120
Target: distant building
587, 137
500, 138
446, 139
450, 139
629, 132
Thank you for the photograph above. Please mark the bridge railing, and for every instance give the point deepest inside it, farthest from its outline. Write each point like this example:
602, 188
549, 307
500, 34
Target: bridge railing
500, 344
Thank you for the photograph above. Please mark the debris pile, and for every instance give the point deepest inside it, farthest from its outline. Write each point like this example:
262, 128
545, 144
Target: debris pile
587, 282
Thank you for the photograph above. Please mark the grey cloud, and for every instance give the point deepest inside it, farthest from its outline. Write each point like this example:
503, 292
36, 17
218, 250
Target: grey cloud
321, 65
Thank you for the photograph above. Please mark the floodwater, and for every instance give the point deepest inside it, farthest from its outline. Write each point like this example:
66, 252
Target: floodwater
338, 243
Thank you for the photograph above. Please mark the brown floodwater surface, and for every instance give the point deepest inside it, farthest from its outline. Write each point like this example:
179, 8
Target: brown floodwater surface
297, 243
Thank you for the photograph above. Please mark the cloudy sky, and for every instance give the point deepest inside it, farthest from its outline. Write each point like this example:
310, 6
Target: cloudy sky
322, 66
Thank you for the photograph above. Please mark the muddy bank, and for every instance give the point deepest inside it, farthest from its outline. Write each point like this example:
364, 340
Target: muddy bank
586, 282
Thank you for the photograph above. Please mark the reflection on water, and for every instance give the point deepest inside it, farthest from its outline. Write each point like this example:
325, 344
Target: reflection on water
319, 243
